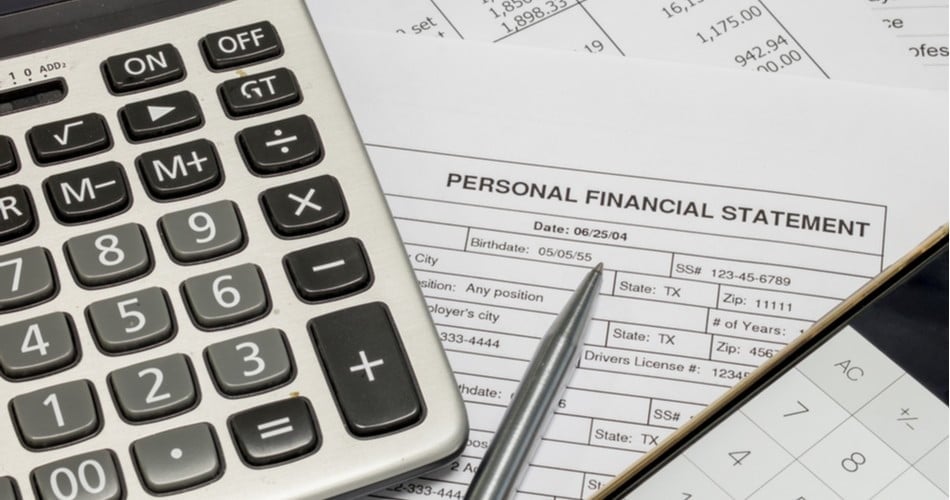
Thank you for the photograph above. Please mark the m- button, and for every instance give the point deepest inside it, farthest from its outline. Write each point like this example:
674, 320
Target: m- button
240, 46
88, 193
143, 68
305, 207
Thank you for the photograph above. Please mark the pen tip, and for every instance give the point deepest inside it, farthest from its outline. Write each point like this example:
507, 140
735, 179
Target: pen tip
599, 267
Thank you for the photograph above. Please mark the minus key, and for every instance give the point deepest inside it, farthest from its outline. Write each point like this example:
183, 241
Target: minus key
329, 271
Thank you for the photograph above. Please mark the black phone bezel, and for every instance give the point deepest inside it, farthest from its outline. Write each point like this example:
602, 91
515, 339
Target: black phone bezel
722, 409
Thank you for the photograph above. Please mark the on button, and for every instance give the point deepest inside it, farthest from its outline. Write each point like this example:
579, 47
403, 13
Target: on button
143, 68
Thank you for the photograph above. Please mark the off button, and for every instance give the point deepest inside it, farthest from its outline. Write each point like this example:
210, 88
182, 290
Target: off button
241, 46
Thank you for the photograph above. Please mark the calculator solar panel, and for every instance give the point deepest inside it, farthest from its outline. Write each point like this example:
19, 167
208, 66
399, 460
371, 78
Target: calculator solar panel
202, 292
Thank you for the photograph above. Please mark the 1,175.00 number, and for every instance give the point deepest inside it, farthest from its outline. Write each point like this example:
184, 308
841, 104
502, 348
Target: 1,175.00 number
728, 24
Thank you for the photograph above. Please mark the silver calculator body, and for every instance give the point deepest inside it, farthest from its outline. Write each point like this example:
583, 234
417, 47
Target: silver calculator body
196, 408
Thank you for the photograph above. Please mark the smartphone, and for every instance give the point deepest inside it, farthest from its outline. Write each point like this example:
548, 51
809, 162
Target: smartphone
855, 408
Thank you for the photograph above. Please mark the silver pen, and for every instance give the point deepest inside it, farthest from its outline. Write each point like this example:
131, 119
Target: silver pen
530, 411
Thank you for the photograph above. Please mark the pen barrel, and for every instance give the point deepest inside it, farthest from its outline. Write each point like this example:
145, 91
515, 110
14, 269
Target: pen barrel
532, 407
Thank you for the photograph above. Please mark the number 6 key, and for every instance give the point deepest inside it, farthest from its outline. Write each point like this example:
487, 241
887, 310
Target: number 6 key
227, 297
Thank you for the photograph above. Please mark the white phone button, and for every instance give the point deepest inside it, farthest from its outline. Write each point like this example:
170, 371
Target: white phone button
935, 465
907, 417
911, 484
677, 480
795, 412
738, 456
793, 483
850, 369
853, 461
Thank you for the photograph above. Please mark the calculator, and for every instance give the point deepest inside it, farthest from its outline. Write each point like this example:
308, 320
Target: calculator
202, 291
856, 408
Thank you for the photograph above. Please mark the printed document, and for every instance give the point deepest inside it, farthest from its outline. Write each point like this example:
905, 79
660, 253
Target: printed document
891, 42
730, 209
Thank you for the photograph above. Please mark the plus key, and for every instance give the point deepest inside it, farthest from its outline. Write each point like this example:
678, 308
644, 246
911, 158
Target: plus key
372, 381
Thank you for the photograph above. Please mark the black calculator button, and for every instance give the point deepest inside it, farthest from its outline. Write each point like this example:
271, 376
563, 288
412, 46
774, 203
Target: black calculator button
88, 194
8, 489
241, 46
56, 415
99, 471
227, 297
368, 370
154, 389
261, 92
132, 321
275, 432
329, 271
17, 218
68, 139
182, 170
305, 207
37, 346
110, 256
280, 146
8, 158
161, 116
143, 68
177, 459
26, 278
251, 363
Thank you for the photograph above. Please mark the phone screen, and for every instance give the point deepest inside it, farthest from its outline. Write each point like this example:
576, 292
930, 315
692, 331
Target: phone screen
863, 415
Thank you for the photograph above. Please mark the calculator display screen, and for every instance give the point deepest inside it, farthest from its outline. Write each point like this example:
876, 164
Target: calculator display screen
864, 415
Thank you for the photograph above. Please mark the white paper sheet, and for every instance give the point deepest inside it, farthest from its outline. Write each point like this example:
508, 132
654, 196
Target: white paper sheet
859, 40
921, 27
776, 198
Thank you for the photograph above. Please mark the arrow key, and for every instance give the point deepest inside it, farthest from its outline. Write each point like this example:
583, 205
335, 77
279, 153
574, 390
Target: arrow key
161, 116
